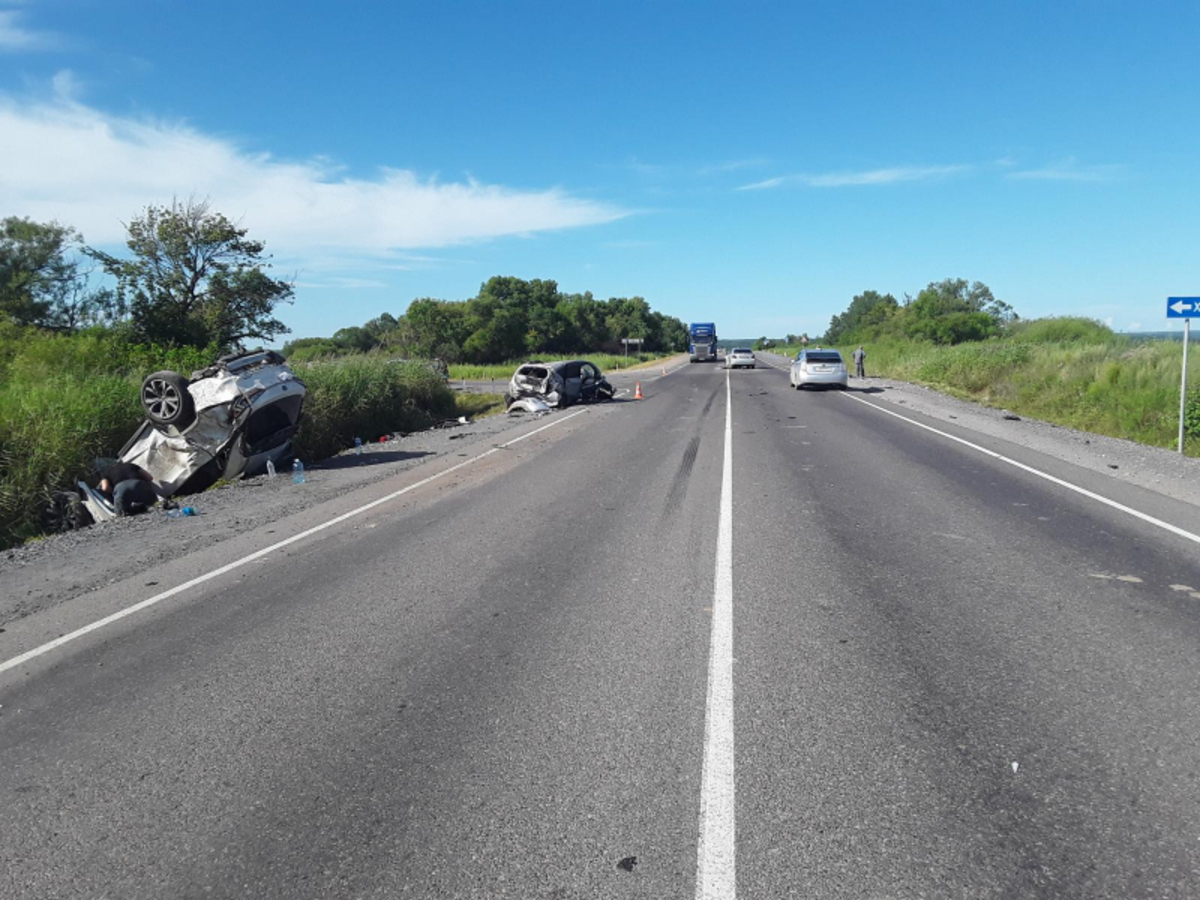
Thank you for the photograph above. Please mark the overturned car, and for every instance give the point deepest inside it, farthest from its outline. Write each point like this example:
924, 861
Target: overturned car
538, 387
225, 422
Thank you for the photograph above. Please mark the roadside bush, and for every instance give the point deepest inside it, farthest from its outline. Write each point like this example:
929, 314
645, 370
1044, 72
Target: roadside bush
1060, 330
1191, 414
366, 397
51, 430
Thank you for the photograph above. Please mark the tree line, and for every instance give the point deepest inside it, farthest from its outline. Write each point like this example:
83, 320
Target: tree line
193, 278
951, 311
510, 318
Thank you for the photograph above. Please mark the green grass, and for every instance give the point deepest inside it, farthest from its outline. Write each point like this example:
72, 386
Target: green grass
367, 397
478, 406
504, 371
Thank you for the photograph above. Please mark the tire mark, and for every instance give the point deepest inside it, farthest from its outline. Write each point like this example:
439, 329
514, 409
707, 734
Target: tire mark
679, 484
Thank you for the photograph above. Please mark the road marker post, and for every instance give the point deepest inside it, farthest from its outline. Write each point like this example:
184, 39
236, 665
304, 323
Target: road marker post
1183, 308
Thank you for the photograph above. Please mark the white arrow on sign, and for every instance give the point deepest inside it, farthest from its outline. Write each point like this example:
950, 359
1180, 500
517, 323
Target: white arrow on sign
1179, 306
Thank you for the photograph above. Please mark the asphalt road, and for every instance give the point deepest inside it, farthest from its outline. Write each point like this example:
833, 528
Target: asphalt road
950, 677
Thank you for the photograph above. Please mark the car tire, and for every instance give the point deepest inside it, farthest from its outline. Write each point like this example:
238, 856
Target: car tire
66, 512
166, 400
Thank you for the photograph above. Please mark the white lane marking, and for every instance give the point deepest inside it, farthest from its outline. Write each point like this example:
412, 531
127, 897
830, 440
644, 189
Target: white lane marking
1167, 526
715, 872
258, 554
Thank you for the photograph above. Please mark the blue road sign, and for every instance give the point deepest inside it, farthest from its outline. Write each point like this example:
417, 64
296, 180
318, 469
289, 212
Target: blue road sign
1183, 307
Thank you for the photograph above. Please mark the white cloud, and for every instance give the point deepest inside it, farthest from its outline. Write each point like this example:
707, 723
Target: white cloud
343, 283
15, 38
869, 177
1134, 326
63, 160
1108, 321
732, 165
1068, 170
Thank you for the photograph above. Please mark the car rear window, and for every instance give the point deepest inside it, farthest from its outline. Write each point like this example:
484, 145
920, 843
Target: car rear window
824, 356
532, 372
740, 350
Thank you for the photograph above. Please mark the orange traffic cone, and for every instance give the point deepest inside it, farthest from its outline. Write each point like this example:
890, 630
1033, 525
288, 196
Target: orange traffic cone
637, 394
664, 371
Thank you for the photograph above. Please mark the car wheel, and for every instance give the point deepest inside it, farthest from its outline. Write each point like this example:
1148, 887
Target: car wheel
66, 512
166, 400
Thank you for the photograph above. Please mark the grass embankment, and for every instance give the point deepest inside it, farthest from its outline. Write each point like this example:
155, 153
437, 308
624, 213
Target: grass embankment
367, 397
65, 401
1072, 372
503, 371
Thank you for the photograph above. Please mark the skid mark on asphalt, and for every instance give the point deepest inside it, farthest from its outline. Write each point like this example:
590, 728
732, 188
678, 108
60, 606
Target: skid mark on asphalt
679, 484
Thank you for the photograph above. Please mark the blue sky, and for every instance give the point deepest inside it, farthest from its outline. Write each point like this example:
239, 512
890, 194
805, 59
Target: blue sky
752, 164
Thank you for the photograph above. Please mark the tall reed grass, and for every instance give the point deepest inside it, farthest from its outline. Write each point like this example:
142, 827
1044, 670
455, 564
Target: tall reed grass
366, 396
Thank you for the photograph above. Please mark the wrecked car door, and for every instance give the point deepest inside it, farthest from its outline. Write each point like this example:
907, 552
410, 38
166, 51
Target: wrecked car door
573, 382
589, 381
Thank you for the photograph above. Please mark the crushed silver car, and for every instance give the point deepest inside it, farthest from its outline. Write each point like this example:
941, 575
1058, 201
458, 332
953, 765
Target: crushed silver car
538, 386
226, 421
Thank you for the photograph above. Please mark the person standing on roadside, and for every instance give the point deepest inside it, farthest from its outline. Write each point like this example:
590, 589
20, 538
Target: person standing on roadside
130, 488
860, 357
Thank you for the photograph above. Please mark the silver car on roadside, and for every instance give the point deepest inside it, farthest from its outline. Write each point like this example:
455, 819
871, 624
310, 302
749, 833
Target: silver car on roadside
819, 367
739, 357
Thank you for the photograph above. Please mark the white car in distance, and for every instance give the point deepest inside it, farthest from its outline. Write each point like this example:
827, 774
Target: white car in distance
739, 356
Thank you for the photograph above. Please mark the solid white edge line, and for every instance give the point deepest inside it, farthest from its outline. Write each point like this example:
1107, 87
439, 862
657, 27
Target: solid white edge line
258, 554
716, 874
1167, 526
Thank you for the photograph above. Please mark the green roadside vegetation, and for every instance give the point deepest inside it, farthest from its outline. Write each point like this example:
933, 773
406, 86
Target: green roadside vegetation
1070, 371
478, 406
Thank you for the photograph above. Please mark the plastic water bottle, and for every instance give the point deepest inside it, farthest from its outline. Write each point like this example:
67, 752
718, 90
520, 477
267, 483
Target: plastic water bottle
298, 472
181, 513
358, 446
270, 468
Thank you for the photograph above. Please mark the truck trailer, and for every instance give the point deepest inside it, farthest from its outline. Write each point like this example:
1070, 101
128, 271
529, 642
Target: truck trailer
702, 342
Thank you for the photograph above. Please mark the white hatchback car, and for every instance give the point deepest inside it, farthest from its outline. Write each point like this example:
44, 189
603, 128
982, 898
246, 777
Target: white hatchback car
822, 367
739, 356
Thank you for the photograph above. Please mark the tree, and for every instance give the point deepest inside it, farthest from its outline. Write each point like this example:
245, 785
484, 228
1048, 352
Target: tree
867, 308
954, 310
195, 279
42, 278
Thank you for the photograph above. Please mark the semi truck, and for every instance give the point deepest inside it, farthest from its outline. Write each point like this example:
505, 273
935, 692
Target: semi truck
702, 342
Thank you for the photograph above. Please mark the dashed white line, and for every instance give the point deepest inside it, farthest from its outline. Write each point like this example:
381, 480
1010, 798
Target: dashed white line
258, 554
716, 877
1166, 526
